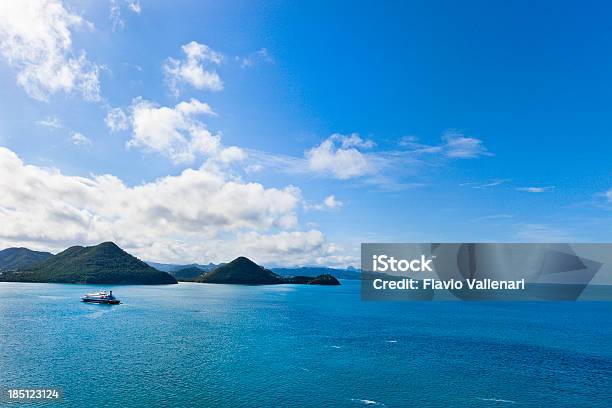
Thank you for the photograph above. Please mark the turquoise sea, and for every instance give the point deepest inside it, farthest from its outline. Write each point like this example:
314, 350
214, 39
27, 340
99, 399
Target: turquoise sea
192, 345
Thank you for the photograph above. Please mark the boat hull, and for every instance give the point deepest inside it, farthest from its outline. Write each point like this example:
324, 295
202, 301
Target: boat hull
102, 301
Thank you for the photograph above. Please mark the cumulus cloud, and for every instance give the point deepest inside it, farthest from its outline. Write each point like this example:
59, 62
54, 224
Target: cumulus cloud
352, 140
339, 156
198, 215
176, 132
36, 40
346, 157
79, 139
253, 168
231, 154
195, 69
329, 203
291, 248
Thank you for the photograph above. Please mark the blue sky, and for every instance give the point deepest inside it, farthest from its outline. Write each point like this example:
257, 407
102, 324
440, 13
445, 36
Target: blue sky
318, 126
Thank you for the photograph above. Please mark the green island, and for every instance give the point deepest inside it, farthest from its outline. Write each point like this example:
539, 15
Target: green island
18, 258
243, 271
106, 263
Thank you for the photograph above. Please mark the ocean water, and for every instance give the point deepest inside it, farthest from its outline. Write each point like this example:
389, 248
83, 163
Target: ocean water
191, 345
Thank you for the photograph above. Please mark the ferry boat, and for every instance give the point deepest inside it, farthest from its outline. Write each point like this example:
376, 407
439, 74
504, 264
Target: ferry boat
101, 297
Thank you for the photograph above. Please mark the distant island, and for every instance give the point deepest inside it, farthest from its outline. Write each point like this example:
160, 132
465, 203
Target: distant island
173, 268
188, 272
12, 259
106, 263
348, 273
243, 271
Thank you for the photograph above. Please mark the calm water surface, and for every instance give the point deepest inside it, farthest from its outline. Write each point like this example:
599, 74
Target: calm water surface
193, 345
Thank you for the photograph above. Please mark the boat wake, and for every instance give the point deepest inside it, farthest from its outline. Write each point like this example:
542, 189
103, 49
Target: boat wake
97, 314
368, 402
51, 297
505, 401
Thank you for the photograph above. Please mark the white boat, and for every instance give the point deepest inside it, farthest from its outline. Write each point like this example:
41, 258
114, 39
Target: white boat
101, 297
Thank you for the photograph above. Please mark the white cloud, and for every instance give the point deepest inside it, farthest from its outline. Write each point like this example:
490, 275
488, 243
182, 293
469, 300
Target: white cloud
490, 184
115, 12
329, 203
339, 157
536, 189
461, 147
253, 168
134, 5
116, 120
198, 215
290, 248
194, 69
493, 183
115, 15
494, 217
232, 154
347, 157
352, 140
455, 146
52, 122
609, 195
79, 139
36, 40
261, 55
332, 203
176, 133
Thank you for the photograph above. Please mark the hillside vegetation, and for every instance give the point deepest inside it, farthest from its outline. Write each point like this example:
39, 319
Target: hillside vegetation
20, 258
104, 263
